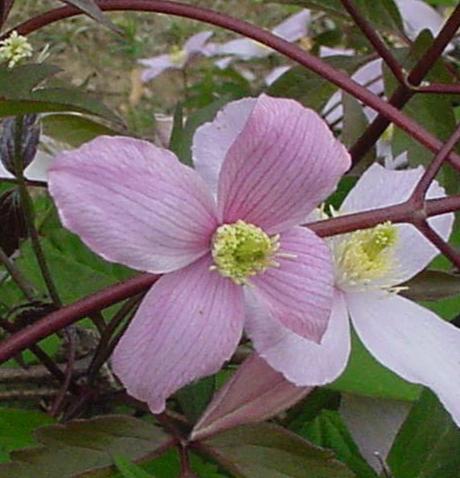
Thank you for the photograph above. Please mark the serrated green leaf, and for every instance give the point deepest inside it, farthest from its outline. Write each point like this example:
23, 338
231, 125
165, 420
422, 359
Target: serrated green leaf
329, 431
269, 451
86, 448
16, 429
428, 443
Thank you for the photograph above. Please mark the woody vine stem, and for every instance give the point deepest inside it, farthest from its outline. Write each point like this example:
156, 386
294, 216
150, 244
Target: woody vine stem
416, 210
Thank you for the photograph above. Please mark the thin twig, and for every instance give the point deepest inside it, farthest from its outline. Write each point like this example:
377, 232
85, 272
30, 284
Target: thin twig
24, 285
372, 35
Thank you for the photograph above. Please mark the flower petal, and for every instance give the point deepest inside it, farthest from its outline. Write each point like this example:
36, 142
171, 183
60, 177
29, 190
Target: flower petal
299, 291
276, 73
189, 323
303, 362
134, 203
255, 393
417, 16
379, 187
196, 43
212, 141
284, 162
294, 27
244, 48
412, 341
156, 66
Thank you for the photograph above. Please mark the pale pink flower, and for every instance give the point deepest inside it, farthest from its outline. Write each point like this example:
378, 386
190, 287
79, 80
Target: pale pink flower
178, 58
369, 266
292, 29
261, 167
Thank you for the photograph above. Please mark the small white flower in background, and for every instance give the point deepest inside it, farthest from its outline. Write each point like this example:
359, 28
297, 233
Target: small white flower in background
177, 58
14, 49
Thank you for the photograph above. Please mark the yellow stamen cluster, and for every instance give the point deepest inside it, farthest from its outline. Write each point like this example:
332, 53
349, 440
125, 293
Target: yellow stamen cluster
366, 255
14, 49
177, 55
241, 250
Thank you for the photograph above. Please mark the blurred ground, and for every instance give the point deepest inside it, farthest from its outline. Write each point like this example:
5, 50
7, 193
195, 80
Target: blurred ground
106, 64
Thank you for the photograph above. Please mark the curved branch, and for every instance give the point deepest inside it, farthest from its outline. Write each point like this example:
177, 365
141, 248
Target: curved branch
67, 315
284, 47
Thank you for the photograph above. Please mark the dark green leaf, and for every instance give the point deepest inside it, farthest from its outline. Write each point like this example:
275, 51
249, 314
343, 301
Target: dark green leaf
194, 398
328, 430
91, 9
129, 469
428, 444
269, 451
57, 99
365, 376
432, 285
85, 448
384, 14
16, 429
15, 82
74, 129
181, 143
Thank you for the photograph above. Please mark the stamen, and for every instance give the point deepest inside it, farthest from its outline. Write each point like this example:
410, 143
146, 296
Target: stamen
241, 250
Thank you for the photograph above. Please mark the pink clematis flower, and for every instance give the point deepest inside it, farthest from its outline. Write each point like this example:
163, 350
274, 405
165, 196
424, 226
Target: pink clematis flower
178, 58
261, 167
369, 266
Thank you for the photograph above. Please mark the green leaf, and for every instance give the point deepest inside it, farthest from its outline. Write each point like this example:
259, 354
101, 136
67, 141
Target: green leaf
86, 447
91, 8
365, 376
384, 14
15, 82
309, 88
129, 469
16, 429
194, 398
428, 444
432, 285
57, 99
74, 129
354, 125
269, 451
329, 431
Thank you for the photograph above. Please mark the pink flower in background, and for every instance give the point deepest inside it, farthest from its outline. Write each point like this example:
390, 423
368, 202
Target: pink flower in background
261, 167
369, 265
178, 58
292, 29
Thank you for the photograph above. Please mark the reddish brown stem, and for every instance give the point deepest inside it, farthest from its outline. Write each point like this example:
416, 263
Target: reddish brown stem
339, 225
284, 47
422, 187
374, 38
403, 93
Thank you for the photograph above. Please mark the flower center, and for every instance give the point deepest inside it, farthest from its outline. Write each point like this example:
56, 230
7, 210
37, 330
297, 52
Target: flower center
241, 250
177, 55
365, 256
